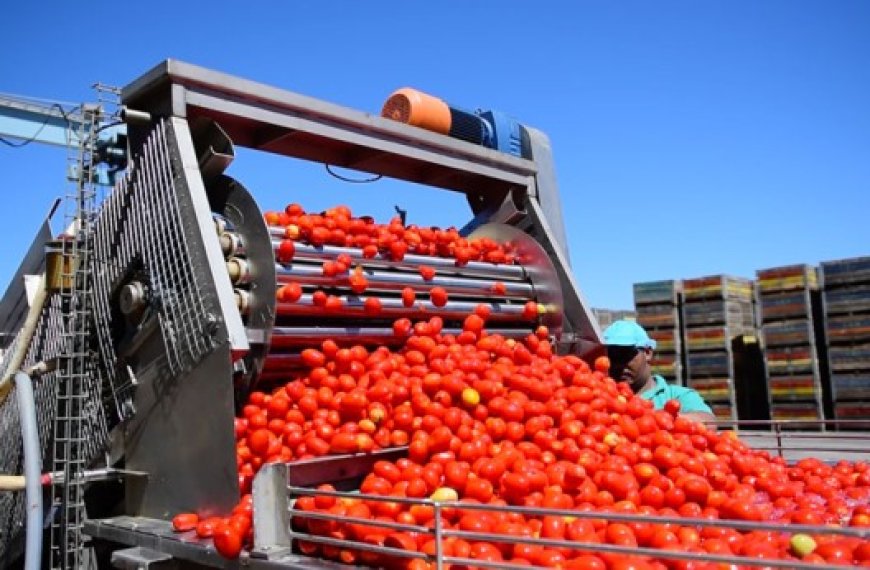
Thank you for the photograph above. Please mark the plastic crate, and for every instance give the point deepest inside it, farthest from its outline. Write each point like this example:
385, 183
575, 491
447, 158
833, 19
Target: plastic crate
606, 317
848, 328
709, 363
852, 410
722, 286
713, 338
657, 316
847, 300
794, 387
786, 278
713, 389
668, 366
665, 292
667, 340
725, 412
730, 312
790, 360
845, 271
849, 358
788, 333
784, 305
804, 411
850, 386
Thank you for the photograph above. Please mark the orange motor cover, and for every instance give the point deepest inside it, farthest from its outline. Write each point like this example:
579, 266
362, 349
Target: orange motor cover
414, 107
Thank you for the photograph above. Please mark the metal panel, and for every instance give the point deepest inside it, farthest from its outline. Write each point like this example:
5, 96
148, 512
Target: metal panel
14, 305
267, 118
168, 347
547, 193
579, 323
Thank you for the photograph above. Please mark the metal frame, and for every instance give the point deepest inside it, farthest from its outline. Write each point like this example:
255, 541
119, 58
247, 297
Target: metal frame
499, 187
275, 489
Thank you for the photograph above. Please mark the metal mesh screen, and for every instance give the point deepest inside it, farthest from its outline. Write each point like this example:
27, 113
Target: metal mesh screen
140, 234
46, 344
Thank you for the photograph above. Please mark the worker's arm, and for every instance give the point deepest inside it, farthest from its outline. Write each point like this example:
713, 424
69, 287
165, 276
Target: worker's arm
703, 417
695, 408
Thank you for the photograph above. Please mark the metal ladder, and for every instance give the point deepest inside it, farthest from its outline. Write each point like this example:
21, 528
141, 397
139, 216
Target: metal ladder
77, 377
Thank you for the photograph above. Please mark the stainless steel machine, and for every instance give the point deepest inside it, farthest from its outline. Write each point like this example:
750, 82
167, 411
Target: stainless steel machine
167, 290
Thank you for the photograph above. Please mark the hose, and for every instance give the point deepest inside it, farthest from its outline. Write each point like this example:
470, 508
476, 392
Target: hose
32, 471
20, 351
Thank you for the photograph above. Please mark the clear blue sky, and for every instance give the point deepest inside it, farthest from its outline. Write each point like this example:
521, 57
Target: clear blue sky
690, 138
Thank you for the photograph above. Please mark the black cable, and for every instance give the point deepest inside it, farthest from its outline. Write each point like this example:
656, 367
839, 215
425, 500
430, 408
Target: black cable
351, 180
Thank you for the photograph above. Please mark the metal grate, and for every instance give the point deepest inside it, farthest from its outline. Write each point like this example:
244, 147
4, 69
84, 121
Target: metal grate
45, 345
140, 236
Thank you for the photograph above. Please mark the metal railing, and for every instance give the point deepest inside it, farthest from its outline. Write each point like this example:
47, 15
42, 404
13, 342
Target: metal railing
280, 535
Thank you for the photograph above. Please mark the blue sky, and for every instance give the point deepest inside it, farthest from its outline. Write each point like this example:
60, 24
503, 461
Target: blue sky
690, 138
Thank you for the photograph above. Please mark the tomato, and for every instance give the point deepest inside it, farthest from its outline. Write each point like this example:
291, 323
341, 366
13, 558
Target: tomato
228, 541
426, 272
289, 293
313, 358
672, 407
402, 327
183, 522
438, 296
530, 310
620, 534
506, 421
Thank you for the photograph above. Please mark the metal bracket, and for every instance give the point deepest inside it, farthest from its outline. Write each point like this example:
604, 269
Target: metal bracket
271, 512
141, 558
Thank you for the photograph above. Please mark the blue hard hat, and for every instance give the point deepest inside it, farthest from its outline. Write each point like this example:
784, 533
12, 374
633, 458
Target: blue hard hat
627, 333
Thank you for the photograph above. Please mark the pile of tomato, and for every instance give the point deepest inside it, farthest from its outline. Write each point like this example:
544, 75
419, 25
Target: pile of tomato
500, 422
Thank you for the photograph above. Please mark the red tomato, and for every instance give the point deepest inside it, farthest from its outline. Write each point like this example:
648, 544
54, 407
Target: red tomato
290, 292
183, 522
286, 251
228, 541
438, 296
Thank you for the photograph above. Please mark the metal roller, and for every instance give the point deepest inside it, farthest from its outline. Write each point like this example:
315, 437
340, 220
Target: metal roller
302, 323
385, 280
284, 337
411, 261
392, 308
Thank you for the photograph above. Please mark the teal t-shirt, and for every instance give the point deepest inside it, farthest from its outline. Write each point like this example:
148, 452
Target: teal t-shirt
690, 400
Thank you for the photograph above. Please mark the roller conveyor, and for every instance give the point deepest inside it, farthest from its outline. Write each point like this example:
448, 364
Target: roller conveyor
503, 289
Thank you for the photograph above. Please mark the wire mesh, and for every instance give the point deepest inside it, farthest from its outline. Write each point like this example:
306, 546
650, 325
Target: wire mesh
45, 345
140, 236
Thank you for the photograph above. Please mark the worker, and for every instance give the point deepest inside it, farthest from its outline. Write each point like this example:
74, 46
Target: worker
630, 351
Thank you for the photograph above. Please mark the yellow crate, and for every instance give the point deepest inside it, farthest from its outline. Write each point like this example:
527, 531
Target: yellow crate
804, 391
785, 283
701, 344
710, 394
781, 364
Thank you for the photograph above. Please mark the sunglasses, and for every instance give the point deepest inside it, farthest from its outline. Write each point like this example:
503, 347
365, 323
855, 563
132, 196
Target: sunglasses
622, 353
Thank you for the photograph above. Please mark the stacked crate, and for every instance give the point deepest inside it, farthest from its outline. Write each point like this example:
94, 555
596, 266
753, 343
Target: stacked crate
784, 297
846, 302
657, 306
716, 310
607, 317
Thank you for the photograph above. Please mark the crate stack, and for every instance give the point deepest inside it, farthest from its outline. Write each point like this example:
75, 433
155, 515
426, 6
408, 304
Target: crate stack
784, 298
606, 317
716, 310
657, 306
846, 302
